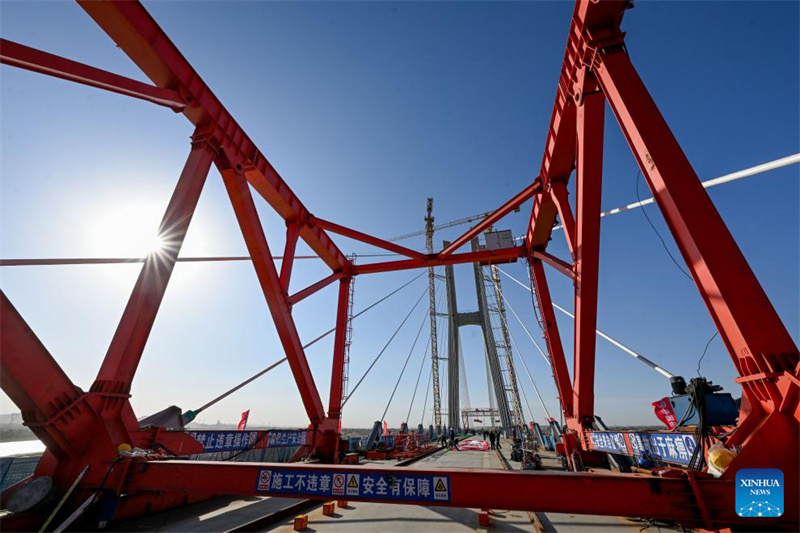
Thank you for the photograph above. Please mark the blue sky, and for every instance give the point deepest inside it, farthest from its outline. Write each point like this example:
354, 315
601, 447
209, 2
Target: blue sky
366, 109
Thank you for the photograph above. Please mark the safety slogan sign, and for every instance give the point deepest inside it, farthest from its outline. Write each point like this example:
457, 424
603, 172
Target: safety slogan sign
378, 486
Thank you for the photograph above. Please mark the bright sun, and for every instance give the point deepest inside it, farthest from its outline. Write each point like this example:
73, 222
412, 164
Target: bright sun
129, 231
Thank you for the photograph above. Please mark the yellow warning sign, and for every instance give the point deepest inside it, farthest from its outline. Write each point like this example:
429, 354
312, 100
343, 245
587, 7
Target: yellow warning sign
353, 483
441, 488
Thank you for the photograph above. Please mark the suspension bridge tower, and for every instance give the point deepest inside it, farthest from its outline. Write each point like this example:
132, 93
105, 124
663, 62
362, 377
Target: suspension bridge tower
502, 376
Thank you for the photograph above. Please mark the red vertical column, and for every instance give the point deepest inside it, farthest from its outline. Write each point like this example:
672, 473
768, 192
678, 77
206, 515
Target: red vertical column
127, 345
591, 107
339, 341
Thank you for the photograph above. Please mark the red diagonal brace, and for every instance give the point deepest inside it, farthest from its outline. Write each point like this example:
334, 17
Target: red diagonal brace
559, 264
21, 56
560, 196
523, 196
363, 237
553, 337
287, 262
487, 257
25, 366
311, 289
751, 329
138, 35
277, 300
543, 216
125, 351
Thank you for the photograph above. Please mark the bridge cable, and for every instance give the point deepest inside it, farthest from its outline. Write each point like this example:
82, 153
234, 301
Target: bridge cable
385, 346
427, 393
613, 341
419, 375
425, 318
191, 415
421, 367
530, 377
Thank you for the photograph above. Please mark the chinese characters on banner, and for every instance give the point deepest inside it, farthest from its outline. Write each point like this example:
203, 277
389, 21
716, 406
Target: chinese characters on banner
667, 447
665, 413
231, 441
226, 441
283, 438
377, 486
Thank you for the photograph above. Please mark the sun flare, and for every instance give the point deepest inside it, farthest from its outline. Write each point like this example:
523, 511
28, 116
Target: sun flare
129, 231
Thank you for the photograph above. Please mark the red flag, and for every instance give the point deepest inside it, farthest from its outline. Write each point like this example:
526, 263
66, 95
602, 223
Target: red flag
664, 412
385, 428
243, 421
531, 422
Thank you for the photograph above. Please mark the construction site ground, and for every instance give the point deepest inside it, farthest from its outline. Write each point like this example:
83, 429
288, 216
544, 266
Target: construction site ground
226, 514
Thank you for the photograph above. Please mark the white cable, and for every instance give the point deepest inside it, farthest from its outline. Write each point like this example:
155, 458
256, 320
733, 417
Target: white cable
521, 323
530, 377
613, 341
727, 178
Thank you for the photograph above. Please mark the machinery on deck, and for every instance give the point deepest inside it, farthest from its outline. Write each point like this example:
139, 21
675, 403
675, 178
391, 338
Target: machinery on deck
99, 458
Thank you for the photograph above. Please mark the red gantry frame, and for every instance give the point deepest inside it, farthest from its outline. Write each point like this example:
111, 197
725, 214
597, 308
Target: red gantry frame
83, 429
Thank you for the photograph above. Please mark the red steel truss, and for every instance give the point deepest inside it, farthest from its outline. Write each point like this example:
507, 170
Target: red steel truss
85, 428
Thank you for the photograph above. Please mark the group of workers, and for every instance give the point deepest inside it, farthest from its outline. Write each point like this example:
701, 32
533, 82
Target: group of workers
493, 437
448, 438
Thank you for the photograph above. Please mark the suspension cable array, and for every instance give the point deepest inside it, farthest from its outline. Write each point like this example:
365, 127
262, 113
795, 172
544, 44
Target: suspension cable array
385, 346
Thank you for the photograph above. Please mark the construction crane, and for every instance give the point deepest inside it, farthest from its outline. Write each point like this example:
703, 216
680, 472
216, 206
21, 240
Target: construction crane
437, 402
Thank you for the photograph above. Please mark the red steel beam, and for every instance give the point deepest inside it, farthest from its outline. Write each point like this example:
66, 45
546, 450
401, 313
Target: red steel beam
277, 300
25, 366
368, 239
589, 493
488, 257
523, 196
553, 338
287, 262
122, 359
340, 338
558, 191
588, 189
559, 264
21, 56
132, 28
560, 148
752, 331
311, 289
543, 217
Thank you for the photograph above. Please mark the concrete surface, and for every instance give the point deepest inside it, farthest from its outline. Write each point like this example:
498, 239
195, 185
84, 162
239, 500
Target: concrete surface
218, 514
562, 522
